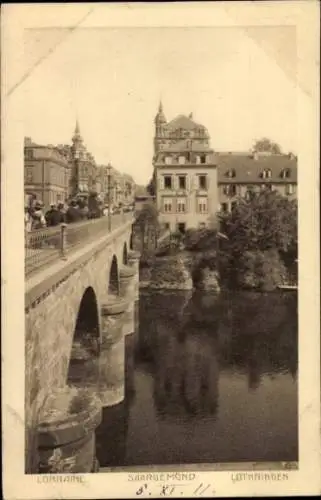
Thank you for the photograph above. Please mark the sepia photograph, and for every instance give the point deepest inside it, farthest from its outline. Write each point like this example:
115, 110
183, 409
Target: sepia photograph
158, 206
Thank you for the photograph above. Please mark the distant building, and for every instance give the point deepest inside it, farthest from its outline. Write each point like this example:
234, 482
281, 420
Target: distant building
186, 173
46, 173
121, 189
83, 167
240, 174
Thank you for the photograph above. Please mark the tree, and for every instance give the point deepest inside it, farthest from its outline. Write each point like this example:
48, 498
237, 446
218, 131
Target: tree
151, 187
267, 221
267, 146
148, 225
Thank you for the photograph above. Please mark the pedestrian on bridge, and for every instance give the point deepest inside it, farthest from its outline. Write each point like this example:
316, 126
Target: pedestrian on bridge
38, 219
73, 214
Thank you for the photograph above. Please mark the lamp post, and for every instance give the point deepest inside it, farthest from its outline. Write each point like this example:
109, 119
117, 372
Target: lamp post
109, 167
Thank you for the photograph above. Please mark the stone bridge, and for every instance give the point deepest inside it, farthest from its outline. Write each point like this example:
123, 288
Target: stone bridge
81, 302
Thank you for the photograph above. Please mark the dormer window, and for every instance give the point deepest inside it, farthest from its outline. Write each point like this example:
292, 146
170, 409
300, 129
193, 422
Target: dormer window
231, 173
267, 173
286, 173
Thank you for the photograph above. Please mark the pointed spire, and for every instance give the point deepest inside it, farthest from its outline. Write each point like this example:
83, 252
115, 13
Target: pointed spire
77, 129
160, 117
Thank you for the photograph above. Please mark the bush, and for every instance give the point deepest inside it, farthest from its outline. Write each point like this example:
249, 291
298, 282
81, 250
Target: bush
200, 239
263, 270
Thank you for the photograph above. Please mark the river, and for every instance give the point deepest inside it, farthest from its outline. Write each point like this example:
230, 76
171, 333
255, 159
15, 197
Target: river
214, 380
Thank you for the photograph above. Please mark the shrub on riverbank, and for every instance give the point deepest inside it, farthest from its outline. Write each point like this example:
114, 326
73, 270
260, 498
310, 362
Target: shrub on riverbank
260, 248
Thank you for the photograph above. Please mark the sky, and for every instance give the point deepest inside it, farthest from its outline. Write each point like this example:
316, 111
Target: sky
239, 83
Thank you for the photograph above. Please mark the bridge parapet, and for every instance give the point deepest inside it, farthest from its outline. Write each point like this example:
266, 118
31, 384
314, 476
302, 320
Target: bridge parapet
48, 245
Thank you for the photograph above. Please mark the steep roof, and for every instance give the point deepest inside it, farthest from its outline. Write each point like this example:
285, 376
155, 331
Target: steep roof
185, 145
249, 170
184, 122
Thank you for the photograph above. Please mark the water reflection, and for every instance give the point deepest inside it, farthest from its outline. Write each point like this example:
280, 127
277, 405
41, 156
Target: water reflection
215, 365
207, 379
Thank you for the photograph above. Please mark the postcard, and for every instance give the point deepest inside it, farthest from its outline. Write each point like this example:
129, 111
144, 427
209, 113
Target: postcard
160, 229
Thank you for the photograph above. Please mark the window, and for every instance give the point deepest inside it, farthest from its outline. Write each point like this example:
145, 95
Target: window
203, 158
181, 205
181, 160
202, 205
168, 182
197, 159
181, 227
224, 207
29, 154
286, 173
167, 204
202, 182
168, 160
231, 173
289, 189
182, 182
266, 187
29, 175
229, 190
167, 225
233, 205
266, 174
249, 195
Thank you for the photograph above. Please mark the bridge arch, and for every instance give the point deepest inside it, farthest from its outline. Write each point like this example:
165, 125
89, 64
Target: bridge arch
125, 254
131, 240
113, 279
86, 335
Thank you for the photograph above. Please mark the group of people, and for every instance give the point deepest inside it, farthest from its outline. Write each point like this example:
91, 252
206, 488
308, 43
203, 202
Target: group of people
36, 217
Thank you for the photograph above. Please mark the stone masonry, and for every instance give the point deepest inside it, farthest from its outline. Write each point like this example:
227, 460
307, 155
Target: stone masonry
51, 320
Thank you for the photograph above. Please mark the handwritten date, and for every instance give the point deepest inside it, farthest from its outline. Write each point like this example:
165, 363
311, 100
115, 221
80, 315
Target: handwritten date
168, 490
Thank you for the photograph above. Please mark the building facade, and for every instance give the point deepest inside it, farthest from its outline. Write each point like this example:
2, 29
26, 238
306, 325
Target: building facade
185, 169
121, 186
83, 168
46, 173
241, 174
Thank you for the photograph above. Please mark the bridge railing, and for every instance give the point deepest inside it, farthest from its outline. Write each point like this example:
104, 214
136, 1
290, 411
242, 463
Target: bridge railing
44, 246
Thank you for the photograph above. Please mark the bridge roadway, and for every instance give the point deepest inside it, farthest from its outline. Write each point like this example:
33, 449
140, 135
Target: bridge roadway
81, 283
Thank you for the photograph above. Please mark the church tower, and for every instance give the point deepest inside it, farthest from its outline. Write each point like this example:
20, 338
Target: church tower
160, 125
77, 147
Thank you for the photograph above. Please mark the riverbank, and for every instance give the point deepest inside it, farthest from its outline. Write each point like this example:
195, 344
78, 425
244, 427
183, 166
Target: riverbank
185, 270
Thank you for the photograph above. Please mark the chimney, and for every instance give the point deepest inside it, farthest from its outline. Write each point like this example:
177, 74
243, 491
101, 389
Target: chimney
190, 116
28, 141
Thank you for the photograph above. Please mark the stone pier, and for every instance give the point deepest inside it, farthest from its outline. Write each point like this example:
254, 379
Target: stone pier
111, 371
133, 261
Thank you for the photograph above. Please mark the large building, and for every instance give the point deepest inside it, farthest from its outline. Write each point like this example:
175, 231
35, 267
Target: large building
46, 173
83, 167
241, 174
185, 171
